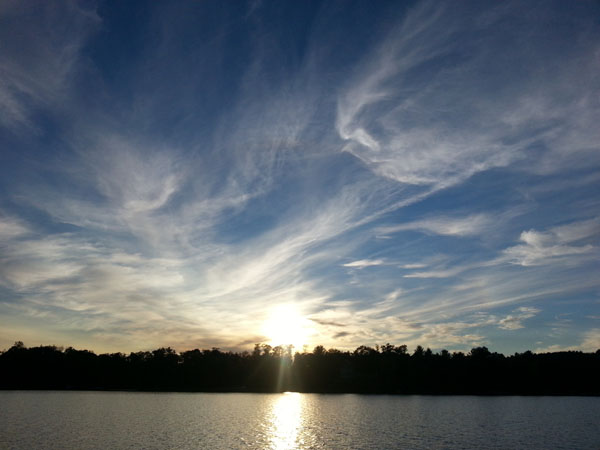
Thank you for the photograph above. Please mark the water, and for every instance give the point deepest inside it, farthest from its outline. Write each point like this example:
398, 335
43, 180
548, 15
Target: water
127, 420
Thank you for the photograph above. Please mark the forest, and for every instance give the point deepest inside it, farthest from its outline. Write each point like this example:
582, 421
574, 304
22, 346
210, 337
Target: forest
385, 369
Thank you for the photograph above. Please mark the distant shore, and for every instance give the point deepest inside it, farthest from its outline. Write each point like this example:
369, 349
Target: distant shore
385, 369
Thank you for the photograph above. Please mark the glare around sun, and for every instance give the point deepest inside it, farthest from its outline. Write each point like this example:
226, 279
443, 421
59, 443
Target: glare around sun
286, 325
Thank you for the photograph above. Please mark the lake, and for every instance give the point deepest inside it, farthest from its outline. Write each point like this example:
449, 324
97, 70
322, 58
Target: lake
132, 420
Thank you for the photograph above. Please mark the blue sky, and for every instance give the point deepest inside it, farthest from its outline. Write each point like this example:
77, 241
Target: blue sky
171, 173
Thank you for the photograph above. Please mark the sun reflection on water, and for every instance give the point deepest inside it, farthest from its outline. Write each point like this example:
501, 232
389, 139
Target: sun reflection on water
286, 422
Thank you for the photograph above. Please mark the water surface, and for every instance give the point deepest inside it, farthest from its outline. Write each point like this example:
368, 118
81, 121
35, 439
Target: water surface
130, 420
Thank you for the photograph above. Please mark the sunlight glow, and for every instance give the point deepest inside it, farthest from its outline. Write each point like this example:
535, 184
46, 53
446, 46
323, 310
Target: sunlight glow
287, 326
286, 421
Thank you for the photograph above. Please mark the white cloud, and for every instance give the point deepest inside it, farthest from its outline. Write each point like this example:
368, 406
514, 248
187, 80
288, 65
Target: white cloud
361, 263
451, 333
394, 295
591, 340
470, 225
445, 125
407, 150
11, 228
515, 321
555, 348
413, 266
555, 245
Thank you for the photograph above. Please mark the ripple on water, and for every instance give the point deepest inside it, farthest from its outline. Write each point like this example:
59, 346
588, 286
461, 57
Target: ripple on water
123, 420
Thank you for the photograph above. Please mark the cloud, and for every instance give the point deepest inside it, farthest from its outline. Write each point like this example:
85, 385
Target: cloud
328, 322
591, 340
515, 321
441, 267
394, 295
555, 245
362, 263
341, 334
555, 348
470, 225
212, 187
413, 118
403, 149
11, 228
413, 266
444, 273
35, 70
444, 334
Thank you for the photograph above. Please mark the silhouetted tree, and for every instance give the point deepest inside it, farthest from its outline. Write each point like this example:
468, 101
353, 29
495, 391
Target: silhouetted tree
382, 369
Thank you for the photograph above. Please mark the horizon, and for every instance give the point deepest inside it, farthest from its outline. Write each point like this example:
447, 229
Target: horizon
272, 350
202, 174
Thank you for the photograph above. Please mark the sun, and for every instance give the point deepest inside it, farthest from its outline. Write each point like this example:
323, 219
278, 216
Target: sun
286, 325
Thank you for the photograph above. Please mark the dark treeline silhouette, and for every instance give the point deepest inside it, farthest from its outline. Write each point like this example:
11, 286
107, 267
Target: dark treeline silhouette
386, 369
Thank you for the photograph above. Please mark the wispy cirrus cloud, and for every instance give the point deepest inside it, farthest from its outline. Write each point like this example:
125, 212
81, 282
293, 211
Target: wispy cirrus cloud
589, 342
557, 245
473, 224
361, 263
515, 320
11, 228
443, 127
36, 67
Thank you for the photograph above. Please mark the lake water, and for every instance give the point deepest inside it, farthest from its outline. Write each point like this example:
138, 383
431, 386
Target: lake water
129, 420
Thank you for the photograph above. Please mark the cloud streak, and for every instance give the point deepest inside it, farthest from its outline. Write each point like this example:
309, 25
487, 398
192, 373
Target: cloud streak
515, 321
471, 225
36, 70
557, 245
408, 130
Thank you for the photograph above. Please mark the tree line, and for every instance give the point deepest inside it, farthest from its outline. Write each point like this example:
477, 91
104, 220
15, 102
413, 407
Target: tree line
385, 369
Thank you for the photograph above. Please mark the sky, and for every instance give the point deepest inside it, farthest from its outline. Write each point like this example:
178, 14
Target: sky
212, 174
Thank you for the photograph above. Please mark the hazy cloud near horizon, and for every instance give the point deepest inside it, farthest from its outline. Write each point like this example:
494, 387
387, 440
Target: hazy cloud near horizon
413, 173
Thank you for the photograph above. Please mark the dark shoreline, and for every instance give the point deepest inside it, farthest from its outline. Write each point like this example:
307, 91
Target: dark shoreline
388, 370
